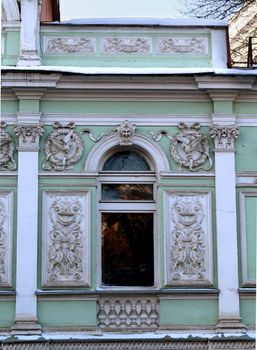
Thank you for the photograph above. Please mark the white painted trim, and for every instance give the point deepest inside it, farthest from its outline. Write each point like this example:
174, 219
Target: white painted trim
243, 237
219, 48
150, 148
11, 10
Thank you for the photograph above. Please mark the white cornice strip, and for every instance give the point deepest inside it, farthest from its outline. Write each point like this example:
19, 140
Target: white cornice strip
134, 71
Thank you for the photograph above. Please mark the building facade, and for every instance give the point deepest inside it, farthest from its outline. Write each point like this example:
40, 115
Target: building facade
128, 185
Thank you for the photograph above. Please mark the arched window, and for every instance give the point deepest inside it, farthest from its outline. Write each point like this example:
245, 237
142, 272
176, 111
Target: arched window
127, 220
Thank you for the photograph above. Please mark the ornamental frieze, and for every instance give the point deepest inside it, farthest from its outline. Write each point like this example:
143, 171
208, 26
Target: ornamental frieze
178, 45
7, 161
5, 238
224, 137
66, 250
121, 45
189, 148
76, 45
188, 239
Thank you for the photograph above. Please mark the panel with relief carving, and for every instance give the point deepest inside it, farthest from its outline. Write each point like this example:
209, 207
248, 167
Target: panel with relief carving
6, 216
66, 260
188, 239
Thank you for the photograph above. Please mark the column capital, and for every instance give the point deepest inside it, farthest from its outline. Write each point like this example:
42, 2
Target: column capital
29, 136
224, 137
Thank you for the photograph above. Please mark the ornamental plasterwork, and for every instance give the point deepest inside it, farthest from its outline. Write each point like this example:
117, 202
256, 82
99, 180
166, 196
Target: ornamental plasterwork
224, 137
189, 148
29, 136
66, 236
7, 161
5, 237
120, 45
178, 45
61, 45
63, 148
125, 133
188, 247
128, 313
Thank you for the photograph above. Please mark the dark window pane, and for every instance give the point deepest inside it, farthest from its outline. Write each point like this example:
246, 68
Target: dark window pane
126, 161
127, 192
127, 249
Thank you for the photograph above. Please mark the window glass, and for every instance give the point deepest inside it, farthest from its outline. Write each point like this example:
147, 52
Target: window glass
127, 191
127, 249
126, 161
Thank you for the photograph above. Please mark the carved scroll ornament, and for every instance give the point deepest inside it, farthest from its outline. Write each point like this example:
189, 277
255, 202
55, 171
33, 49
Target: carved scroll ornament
7, 161
29, 136
224, 137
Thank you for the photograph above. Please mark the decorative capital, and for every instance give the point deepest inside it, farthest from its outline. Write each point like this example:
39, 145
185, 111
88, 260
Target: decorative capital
126, 132
224, 137
29, 136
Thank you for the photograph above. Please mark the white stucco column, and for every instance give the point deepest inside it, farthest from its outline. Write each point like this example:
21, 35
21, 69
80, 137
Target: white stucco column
227, 250
27, 229
29, 34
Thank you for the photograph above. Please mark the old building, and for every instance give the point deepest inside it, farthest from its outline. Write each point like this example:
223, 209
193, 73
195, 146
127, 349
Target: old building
128, 185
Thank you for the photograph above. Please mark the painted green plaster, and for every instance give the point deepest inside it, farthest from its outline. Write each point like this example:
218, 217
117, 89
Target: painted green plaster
251, 231
188, 312
79, 313
248, 311
126, 107
29, 106
11, 49
9, 106
245, 108
246, 149
223, 106
7, 313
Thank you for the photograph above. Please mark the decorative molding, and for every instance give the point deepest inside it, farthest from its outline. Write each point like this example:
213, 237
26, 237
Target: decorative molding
66, 235
128, 313
188, 239
224, 137
127, 45
188, 148
28, 136
10, 10
7, 161
180, 45
246, 281
6, 217
125, 133
69, 45
63, 147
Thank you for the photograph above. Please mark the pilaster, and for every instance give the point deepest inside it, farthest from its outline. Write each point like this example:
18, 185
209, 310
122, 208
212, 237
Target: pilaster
29, 34
27, 224
224, 133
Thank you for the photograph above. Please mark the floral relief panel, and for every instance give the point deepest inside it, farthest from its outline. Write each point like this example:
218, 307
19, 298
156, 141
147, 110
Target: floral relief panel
188, 239
6, 218
66, 260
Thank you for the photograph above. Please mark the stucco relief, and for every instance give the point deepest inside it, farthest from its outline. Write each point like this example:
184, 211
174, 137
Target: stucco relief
178, 45
66, 254
189, 148
7, 146
188, 239
224, 137
62, 45
5, 237
120, 45
128, 313
63, 148
125, 133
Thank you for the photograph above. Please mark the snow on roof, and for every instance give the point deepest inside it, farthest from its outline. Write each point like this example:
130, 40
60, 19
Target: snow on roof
133, 71
162, 22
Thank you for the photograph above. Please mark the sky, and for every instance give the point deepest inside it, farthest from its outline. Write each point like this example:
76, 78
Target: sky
120, 8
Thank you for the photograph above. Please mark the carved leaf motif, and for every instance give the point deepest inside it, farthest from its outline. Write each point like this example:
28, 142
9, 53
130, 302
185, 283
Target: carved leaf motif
224, 137
126, 45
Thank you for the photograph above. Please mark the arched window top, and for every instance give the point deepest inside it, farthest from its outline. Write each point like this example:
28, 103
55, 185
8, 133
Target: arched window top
126, 161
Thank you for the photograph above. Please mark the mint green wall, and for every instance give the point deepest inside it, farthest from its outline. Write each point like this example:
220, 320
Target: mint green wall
193, 312
245, 108
79, 313
11, 48
9, 106
246, 149
7, 313
125, 60
248, 311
